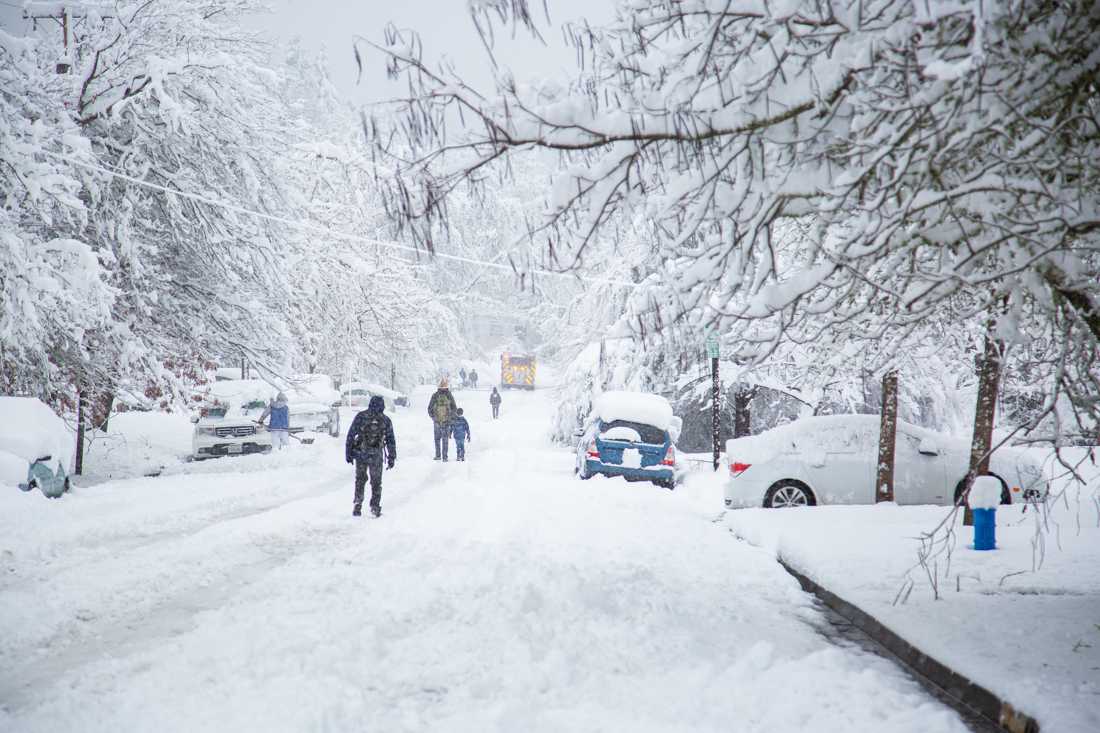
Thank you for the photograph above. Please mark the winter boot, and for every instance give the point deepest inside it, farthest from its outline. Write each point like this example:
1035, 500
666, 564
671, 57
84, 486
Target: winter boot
357, 511
376, 511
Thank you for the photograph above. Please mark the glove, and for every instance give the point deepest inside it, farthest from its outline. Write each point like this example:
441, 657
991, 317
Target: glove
390, 462
348, 459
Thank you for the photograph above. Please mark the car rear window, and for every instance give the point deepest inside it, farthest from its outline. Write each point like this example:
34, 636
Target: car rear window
649, 434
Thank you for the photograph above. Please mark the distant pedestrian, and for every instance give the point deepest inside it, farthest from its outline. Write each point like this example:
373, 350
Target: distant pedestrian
279, 424
441, 408
462, 375
460, 429
473, 378
494, 400
370, 441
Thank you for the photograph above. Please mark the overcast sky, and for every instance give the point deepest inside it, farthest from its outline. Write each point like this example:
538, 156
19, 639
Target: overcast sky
444, 26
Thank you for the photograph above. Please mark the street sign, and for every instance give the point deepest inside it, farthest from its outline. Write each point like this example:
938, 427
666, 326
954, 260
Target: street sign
712, 345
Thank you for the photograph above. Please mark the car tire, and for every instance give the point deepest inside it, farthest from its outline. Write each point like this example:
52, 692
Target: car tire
1006, 495
665, 484
789, 493
67, 486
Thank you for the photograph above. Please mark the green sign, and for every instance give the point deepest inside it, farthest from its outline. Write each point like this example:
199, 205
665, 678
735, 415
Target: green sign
712, 345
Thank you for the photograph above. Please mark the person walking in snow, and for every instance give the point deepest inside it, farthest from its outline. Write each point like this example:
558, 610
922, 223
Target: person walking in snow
494, 401
473, 378
370, 441
279, 425
441, 408
462, 375
460, 429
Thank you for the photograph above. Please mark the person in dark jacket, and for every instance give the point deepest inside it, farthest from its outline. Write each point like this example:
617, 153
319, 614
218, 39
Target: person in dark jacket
441, 408
370, 440
473, 378
494, 400
460, 429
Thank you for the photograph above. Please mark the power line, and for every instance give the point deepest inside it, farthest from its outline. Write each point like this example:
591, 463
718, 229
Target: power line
325, 230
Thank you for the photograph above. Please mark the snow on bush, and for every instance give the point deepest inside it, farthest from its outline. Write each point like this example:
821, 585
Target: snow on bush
985, 493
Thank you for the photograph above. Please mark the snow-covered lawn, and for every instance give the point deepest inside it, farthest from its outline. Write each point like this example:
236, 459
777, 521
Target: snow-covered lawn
1031, 637
496, 594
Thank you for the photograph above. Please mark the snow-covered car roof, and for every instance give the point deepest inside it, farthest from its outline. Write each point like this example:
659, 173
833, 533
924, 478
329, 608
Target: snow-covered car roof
639, 407
31, 430
236, 391
371, 387
311, 388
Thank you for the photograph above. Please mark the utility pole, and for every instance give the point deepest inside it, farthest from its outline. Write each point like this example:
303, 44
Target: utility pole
715, 394
887, 438
64, 17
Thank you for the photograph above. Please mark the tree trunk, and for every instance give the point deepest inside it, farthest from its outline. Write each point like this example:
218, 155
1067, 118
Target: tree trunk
103, 406
887, 438
989, 377
742, 415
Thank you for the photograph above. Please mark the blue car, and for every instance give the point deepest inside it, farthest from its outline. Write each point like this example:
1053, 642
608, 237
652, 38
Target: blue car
630, 446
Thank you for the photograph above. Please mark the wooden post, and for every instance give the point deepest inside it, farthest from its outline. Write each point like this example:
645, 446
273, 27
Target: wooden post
81, 411
714, 414
989, 377
887, 438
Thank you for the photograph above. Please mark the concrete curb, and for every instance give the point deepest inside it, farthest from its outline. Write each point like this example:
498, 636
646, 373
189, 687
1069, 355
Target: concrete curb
965, 692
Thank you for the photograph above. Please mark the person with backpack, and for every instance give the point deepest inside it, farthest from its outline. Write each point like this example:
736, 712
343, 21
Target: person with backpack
441, 408
460, 429
279, 424
494, 400
370, 440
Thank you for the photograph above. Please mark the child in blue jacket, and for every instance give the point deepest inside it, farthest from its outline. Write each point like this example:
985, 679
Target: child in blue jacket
460, 430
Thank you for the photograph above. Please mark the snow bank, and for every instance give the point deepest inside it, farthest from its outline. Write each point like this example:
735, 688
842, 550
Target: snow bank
985, 493
648, 409
1020, 621
30, 430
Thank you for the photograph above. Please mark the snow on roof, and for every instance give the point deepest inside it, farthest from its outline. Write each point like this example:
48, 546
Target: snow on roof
31, 430
234, 390
371, 387
640, 407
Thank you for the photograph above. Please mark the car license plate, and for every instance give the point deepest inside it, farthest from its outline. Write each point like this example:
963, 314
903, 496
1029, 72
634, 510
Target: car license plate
234, 448
632, 458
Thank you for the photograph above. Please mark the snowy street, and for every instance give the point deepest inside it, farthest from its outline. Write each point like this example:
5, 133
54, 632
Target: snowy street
499, 594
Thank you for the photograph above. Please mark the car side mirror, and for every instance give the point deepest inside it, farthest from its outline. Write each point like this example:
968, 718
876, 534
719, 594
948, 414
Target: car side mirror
927, 448
42, 459
579, 432
194, 418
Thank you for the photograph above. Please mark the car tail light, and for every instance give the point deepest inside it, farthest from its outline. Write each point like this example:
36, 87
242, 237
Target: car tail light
593, 452
737, 468
670, 457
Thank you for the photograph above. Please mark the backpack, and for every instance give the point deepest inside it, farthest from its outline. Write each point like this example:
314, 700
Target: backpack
442, 409
370, 437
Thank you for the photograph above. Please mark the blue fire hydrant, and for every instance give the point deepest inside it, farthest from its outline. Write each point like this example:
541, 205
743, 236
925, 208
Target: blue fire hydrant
985, 529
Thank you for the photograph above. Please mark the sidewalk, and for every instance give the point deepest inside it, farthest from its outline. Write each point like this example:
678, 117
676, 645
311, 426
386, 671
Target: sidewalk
1030, 637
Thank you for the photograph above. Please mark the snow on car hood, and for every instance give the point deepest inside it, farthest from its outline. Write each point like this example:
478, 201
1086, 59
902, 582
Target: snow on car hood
640, 407
31, 430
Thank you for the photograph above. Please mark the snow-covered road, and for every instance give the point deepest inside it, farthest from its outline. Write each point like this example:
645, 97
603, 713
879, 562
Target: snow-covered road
497, 594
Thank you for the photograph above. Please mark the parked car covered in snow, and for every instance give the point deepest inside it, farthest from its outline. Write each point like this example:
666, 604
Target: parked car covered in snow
832, 459
226, 423
632, 435
358, 394
36, 447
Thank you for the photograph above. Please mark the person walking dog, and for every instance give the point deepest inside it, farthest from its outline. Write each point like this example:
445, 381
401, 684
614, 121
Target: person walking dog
370, 441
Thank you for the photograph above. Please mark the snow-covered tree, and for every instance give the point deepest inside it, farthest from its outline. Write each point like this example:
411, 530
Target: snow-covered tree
942, 159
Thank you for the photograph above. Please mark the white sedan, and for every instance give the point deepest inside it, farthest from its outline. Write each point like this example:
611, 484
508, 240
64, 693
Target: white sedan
831, 460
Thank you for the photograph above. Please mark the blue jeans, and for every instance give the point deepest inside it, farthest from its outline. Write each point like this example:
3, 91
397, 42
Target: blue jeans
442, 435
460, 448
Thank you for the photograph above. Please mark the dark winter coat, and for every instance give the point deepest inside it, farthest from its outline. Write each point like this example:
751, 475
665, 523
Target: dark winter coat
494, 398
460, 428
442, 406
351, 446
